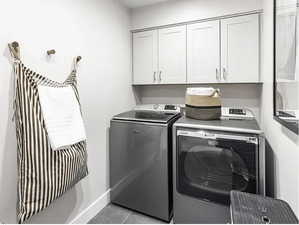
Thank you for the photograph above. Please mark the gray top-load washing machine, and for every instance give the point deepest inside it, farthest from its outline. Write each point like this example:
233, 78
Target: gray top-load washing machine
141, 161
211, 158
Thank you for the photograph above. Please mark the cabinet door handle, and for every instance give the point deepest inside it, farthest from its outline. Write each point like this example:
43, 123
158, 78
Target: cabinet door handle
217, 74
224, 73
160, 76
155, 76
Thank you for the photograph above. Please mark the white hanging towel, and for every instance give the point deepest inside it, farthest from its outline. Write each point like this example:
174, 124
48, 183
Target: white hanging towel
62, 116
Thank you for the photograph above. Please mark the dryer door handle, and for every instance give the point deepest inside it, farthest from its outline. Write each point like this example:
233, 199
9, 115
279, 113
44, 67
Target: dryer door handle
207, 135
198, 134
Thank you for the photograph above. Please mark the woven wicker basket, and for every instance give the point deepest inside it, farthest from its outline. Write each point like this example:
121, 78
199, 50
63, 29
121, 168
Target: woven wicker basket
203, 103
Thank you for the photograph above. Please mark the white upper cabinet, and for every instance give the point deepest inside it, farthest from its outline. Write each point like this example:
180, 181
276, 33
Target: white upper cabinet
145, 57
219, 51
172, 55
203, 52
240, 49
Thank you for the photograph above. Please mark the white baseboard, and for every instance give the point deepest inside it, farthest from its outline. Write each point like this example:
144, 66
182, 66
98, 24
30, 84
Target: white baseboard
86, 215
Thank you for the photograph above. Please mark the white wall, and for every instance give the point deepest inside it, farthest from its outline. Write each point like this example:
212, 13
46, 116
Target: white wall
187, 10
98, 30
284, 143
238, 95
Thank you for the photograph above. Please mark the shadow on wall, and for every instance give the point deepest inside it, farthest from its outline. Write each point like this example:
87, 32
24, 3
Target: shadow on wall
61, 213
8, 173
270, 171
136, 90
108, 157
290, 134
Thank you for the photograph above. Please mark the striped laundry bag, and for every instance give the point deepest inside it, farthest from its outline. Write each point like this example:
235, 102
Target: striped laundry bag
43, 174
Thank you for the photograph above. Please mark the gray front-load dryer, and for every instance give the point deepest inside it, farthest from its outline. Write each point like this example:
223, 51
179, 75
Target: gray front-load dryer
211, 158
140, 162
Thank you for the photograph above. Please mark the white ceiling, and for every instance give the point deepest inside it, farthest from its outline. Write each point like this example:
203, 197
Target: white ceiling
140, 3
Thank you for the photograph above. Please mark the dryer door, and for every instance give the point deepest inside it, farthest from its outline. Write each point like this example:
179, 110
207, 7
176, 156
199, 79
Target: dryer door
210, 165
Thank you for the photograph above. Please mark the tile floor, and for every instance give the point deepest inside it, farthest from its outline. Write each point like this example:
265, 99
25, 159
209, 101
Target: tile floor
113, 214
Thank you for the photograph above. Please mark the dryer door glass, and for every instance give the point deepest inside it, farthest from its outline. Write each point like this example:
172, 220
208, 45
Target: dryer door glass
211, 165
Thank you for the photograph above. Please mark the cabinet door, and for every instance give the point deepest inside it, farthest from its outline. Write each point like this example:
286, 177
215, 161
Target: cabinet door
240, 49
145, 57
203, 52
172, 55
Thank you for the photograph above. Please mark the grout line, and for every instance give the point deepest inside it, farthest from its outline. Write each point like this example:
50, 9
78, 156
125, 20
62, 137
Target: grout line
130, 213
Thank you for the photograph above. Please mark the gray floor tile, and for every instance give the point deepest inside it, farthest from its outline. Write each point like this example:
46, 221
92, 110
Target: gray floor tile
136, 218
111, 214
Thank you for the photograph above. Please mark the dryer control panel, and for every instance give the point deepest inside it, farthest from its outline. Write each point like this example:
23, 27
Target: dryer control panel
237, 113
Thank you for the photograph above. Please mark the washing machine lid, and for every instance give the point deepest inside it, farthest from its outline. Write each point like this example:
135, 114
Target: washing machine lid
146, 116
